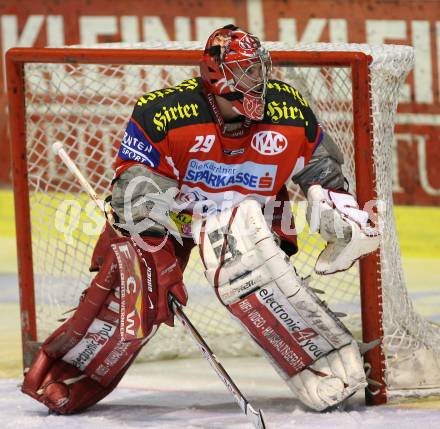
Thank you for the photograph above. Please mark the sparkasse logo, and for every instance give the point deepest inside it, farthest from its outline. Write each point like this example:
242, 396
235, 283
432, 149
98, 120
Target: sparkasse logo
269, 142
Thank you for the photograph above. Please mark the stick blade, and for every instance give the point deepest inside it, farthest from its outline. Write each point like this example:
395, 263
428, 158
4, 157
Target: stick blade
257, 417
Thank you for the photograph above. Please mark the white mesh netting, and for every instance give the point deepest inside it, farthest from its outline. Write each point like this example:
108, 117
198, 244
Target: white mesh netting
87, 107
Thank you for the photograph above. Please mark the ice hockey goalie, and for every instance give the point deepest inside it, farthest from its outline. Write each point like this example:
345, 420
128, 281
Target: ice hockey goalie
216, 149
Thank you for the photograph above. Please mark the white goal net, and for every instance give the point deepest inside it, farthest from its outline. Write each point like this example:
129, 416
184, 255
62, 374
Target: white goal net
87, 106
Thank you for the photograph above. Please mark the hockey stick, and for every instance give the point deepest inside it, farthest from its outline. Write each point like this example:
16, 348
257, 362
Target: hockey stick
256, 417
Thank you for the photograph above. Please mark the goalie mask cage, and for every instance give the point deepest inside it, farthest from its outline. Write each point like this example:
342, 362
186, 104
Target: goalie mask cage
84, 97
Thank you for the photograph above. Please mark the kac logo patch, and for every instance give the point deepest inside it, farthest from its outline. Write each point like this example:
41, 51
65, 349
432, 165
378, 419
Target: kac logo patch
269, 143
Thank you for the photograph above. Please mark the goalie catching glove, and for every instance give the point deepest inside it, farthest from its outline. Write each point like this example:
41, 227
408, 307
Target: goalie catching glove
85, 358
338, 219
305, 342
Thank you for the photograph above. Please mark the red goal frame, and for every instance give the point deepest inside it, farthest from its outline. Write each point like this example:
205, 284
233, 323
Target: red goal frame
371, 287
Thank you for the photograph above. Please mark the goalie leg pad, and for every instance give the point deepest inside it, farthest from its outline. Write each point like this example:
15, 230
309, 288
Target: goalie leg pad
300, 336
84, 359
102, 246
331, 379
66, 389
295, 331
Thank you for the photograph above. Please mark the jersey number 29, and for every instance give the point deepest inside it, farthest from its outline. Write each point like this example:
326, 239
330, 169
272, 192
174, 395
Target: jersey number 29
203, 143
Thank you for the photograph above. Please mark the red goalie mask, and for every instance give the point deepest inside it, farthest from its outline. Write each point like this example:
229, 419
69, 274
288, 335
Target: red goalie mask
236, 67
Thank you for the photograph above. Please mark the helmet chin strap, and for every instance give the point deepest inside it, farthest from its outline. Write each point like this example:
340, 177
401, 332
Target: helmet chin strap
236, 111
227, 108
225, 129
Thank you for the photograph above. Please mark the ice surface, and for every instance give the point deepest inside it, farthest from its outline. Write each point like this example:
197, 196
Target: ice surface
186, 395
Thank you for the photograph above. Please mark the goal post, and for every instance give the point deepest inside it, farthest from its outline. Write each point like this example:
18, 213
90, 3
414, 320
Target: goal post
83, 97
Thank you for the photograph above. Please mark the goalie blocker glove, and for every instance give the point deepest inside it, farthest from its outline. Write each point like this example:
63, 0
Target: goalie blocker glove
304, 341
86, 357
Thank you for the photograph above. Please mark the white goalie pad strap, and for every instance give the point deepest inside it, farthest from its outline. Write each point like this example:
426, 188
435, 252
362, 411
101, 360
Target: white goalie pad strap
331, 379
343, 225
232, 283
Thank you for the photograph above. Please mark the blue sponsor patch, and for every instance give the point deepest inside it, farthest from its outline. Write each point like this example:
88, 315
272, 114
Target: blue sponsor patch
136, 147
248, 175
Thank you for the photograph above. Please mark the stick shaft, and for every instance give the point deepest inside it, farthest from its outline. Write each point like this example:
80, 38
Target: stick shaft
59, 150
256, 417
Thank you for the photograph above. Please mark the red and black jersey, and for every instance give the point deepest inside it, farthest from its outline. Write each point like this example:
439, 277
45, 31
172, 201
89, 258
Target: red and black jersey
174, 133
